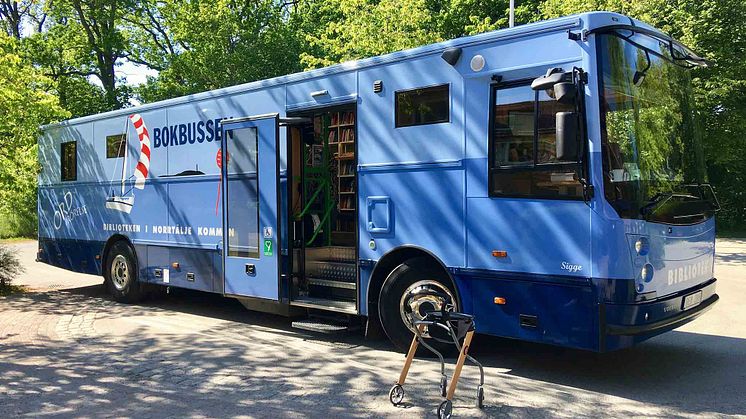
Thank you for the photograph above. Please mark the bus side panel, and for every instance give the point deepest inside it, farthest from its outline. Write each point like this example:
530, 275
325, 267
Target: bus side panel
423, 211
413, 174
549, 237
553, 313
73, 255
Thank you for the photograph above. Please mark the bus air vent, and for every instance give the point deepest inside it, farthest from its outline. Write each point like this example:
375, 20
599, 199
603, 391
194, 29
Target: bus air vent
527, 321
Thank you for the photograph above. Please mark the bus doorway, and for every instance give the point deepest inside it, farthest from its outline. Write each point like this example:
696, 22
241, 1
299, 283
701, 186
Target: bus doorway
323, 210
250, 184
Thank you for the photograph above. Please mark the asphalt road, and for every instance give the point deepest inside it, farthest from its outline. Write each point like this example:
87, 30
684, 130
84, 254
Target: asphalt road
66, 350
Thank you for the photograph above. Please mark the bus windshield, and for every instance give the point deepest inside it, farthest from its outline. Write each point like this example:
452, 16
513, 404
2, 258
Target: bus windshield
651, 146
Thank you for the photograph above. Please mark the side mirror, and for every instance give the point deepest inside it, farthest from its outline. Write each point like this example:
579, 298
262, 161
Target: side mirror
553, 76
567, 136
565, 92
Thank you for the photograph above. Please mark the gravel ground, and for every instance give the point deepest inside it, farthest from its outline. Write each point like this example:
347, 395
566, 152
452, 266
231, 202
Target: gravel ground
67, 350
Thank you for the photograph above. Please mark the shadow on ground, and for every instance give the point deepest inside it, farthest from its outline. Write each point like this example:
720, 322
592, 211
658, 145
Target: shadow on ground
252, 363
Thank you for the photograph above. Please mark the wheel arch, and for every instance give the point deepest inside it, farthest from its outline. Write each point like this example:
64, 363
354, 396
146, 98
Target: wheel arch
110, 243
390, 261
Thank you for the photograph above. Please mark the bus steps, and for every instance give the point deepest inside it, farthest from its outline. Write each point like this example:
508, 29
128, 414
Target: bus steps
326, 325
332, 270
325, 304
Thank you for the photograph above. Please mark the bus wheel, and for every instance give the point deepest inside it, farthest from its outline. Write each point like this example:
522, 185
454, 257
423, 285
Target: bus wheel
120, 274
399, 303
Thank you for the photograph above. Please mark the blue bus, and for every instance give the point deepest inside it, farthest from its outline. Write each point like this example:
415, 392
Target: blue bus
548, 178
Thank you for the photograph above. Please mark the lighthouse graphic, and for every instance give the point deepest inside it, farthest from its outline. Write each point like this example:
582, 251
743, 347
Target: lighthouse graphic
126, 198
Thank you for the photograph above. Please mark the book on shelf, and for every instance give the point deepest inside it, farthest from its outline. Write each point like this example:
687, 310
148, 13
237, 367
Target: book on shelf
347, 136
346, 169
347, 203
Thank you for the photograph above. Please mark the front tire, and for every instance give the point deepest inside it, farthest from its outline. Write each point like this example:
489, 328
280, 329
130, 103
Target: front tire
396, 305
120, 274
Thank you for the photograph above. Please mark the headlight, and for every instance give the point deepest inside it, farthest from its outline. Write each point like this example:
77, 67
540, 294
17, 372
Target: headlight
642, 246
647, 272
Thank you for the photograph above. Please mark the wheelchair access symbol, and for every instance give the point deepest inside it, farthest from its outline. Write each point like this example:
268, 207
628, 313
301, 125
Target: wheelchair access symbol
268, 247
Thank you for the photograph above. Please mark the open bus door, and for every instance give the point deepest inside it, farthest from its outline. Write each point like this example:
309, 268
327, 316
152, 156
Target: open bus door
250, 185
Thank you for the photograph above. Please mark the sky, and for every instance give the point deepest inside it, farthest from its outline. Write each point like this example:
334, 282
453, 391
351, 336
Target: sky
135, 73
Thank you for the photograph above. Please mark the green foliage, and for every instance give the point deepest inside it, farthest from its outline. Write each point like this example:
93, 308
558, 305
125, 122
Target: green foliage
219, 43
368, 28
25, 104
10, 267
62, 54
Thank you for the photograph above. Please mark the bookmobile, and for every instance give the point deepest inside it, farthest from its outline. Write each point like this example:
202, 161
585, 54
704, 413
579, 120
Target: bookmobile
548, 178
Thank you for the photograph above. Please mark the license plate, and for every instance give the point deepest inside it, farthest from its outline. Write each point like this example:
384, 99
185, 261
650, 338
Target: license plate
692, 300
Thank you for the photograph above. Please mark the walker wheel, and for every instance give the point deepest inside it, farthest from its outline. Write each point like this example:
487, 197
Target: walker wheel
443, 385
396, 394
480, 397
445, 410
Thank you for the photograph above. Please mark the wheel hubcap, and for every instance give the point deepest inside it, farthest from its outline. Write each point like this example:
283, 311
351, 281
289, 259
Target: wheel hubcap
119, 272
415, 307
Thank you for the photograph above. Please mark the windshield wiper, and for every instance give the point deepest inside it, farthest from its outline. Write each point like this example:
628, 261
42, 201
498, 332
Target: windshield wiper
712, 199
678, 52
659, 199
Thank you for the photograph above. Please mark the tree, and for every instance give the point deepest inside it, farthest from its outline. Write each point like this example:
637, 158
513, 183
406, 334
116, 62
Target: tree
12, 16
25, 103
367, 28
202, 45
457, 18
100, 22
60, 51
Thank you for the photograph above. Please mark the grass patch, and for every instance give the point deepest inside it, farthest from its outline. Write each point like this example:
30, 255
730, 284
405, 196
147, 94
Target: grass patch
10, 240
13, 226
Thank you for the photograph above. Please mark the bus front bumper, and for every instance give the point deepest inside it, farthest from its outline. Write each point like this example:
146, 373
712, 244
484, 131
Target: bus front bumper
644, 320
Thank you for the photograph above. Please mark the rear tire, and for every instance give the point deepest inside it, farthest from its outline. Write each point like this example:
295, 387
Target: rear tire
120, 274
393, 304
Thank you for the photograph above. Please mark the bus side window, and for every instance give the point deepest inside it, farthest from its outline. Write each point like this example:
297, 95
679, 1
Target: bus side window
69, 161
522, 160
115, 146
422, 106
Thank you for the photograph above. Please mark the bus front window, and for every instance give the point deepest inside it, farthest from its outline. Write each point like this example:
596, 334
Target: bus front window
652, 157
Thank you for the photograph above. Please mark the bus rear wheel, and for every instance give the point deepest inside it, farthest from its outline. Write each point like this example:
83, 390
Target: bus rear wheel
120, 274
399, 303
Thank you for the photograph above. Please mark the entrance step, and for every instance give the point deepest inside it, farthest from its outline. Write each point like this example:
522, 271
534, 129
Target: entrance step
347, 307
332, 289
334, 271
323, 325
331, 253
332, 284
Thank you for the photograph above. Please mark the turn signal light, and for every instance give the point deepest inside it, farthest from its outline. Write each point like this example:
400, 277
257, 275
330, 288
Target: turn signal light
175, 265
499, 253
500, 301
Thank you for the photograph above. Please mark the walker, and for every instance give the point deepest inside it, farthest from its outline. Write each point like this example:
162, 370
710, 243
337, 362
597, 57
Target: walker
459, 326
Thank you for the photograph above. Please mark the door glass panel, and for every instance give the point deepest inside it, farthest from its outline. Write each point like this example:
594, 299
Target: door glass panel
242, 193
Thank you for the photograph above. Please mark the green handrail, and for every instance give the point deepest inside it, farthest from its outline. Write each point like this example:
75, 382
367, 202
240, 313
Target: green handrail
301, 214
